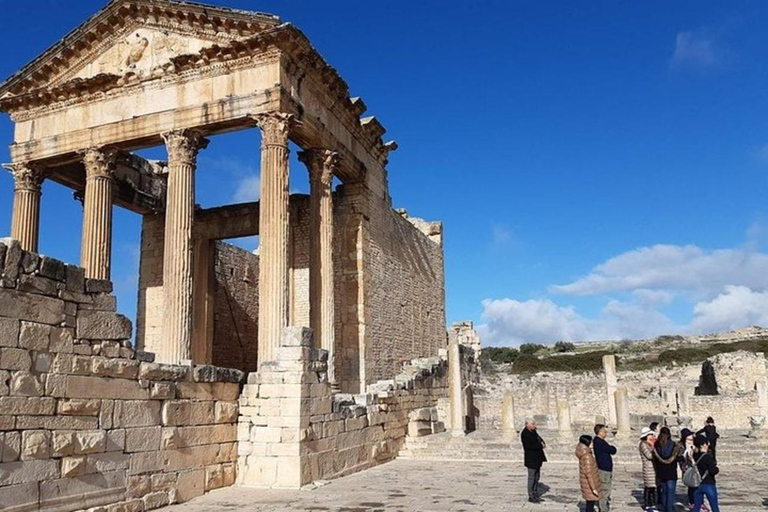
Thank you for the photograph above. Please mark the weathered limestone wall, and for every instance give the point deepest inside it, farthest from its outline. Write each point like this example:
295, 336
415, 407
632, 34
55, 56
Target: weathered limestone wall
236, 307
292, 431
149, 311
85, 421
406, 298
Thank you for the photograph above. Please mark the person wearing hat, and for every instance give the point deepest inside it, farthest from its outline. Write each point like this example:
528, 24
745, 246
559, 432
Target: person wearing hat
647, 439
710, 430
707, 466
687, 450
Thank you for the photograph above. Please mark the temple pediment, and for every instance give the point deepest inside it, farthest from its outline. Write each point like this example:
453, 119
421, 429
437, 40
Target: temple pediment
136, 37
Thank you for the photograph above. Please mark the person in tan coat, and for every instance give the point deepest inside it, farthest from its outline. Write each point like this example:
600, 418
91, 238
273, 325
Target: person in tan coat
647, 440
589, 479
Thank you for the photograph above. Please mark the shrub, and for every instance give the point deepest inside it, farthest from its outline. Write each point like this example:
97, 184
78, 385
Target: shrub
499, 355
564, 346
574, 363
531, 348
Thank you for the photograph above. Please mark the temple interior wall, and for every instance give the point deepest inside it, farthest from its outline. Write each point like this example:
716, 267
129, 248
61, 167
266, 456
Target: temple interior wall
406, 299
86, 421
236, 300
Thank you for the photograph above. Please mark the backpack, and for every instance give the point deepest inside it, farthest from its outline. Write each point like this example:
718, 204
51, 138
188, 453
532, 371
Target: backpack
692, 477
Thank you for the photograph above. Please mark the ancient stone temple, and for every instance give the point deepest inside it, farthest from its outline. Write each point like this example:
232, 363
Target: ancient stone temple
325, 319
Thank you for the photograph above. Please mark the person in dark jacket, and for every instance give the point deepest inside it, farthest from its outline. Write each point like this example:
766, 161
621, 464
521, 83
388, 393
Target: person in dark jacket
604, 453
666, 452
710, 430
533, 449
707, 466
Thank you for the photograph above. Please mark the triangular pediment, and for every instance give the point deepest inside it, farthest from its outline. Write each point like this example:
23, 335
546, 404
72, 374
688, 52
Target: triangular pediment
135, 36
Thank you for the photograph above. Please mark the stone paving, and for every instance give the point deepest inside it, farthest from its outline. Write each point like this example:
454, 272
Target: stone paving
424, 486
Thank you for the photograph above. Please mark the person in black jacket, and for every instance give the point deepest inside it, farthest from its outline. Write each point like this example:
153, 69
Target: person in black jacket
707, 466
710, 430
665, 453
604, 453
533, 449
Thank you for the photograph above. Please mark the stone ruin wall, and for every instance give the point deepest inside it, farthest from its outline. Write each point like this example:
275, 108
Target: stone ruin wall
236, 300
653, 395
293, 431
407, 293
85, 420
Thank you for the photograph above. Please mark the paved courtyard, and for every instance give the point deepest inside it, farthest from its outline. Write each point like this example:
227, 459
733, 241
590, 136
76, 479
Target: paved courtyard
411, 485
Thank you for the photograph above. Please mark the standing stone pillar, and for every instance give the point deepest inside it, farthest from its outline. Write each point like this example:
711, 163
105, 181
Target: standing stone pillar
182, 147
96, 247
621, 398
683, 403
611, 383
455, 390
564, 418
25, 224
762, 396
321, 165
273, 232
508, 414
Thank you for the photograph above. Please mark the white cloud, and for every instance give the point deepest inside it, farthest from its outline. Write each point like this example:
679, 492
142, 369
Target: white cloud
511, 322
694, 49
725, 289
502, 234
673, 268
245, 176
762, 154
248, 190
736, 307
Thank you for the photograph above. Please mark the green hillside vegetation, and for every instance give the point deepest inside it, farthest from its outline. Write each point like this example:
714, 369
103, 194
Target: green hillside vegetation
534, 358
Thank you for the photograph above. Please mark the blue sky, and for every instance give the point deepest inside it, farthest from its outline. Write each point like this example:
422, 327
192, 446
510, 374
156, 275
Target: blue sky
600, 168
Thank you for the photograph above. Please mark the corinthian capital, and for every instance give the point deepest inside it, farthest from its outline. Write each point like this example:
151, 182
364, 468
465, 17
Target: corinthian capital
26, 175
275, 128
99, 162
183, 145
321, 163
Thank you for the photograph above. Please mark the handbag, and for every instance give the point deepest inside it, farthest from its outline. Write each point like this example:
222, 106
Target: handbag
692, 477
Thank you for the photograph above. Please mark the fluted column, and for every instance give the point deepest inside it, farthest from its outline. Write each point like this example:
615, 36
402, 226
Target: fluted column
182, 147
96, 247
25, 224
321, 164
273, 232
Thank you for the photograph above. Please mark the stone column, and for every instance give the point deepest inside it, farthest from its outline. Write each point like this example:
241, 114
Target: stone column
25, 224
182, 147
564, 418
455, 389
508, 414
96, 247
273, 232
611, 382
762, 396
621, 398
321, 164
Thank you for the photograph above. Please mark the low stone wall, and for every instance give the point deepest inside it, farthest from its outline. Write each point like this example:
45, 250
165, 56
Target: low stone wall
85, 421
293, 431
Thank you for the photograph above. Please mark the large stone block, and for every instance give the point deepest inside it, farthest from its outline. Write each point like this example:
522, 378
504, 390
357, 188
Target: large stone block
79, 386
67, 494
184, 437
109, 367
102, 325
92, 441
36, 444
79, 407
38, 285
185, 412
9, 331
20, 497
208, 373
144, 439
208, 390
11, 447
136, 413
26, 384
158, 371
15, 359
13, 255
53, 269
32, 308
191, 484
13, 473
27, 405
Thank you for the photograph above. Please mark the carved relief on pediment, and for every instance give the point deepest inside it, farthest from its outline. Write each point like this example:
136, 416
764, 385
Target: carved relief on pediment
141, 52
